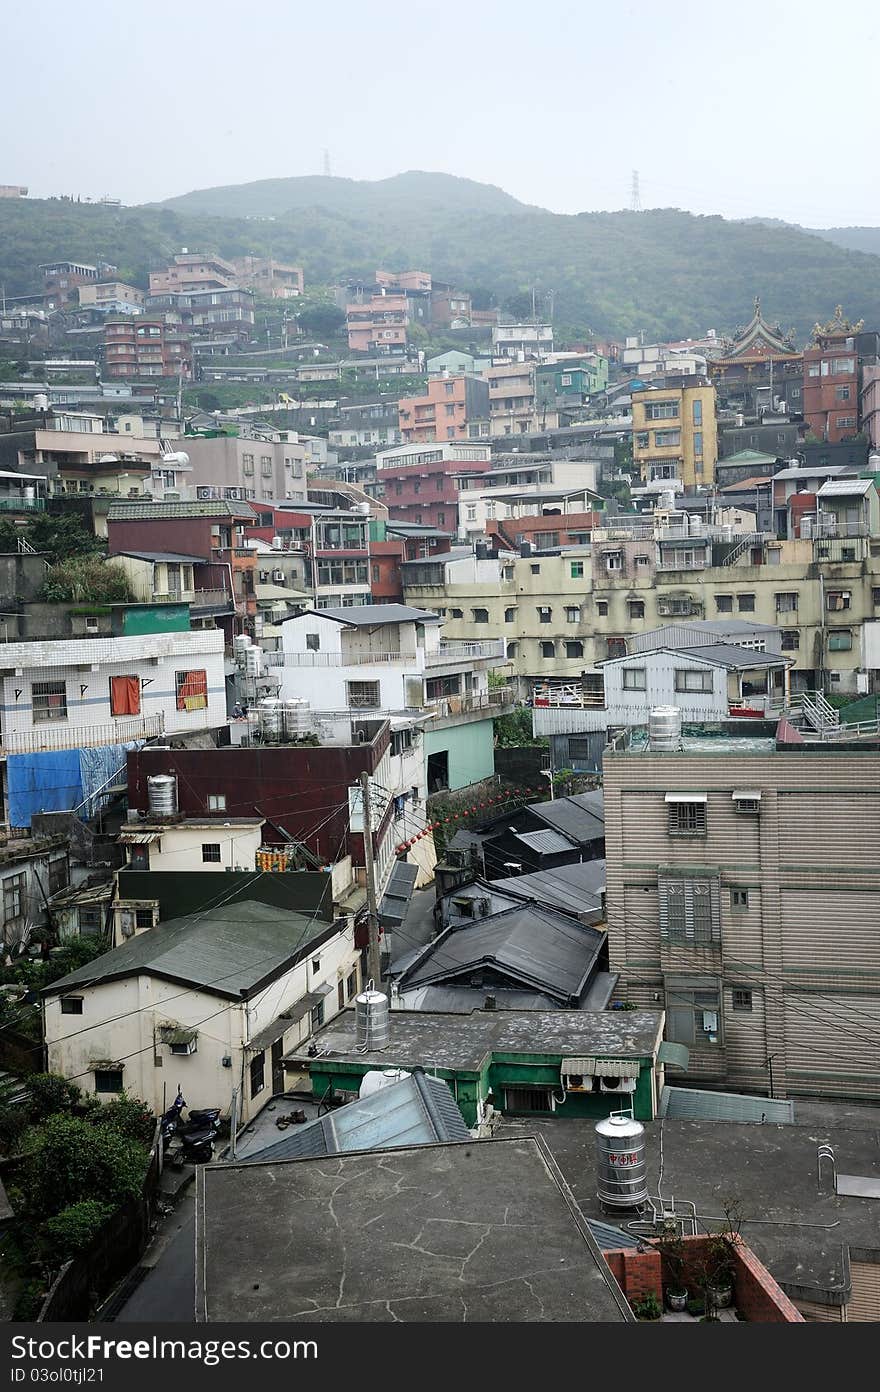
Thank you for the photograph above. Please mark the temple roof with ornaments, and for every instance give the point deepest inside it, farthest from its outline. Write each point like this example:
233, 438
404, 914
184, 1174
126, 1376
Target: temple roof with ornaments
837, 327
757, 342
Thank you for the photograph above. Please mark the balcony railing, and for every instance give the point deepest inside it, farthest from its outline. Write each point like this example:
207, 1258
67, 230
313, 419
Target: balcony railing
684, 563
60, 735
16, 503
320, 659
496, 698
451, 652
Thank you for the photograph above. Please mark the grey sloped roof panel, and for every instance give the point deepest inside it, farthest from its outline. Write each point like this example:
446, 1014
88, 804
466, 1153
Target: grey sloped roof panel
228, 949
574, 888
534, 946
692, 1104
545, 842
418, 1110
580, 817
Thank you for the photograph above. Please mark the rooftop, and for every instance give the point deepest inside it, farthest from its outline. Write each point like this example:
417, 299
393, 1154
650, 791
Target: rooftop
228, 950
159, 512
162, 556
538, 948
462, 1043
580, 817
484, 1231
718, 654
549, 842
372, 615
575, 888
845, 487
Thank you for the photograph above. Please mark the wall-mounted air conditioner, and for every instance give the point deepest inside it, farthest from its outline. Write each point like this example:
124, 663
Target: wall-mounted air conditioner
578, 1082
746, 801
617, 1084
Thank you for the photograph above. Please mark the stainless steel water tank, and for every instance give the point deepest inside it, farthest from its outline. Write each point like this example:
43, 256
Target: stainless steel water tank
371, 1020
621, 1163
271, 720
162, 794
664, 729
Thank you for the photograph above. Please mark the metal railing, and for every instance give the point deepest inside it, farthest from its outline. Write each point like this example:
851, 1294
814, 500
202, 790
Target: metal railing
494, 699
319, 659
451, 652
745, 544
14, 503
60, 735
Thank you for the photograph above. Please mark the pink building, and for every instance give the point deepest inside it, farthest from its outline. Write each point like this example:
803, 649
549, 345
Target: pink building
378, 324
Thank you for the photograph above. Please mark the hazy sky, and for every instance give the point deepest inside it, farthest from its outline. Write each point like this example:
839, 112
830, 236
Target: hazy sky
764, 107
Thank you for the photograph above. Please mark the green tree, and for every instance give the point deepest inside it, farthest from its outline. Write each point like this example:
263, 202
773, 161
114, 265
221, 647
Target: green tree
73, 1230
74, 1160
86, 579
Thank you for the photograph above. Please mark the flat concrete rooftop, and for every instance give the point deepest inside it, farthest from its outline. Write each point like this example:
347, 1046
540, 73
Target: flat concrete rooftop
463, 1042
802, 1235
474, 1231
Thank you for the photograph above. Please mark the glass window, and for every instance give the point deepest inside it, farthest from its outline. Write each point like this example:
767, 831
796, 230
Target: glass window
258, 1073
636, 608
634, 678
577, 570
739, 898
724, 603
698, 412
746, 603
14, 887
59, 874
545, 614
216, 802
548, 649
481, 616
687, 818
71, 1005
574, 649
840, 640
510, 616
192, 690
108, 1080
786, 603
211, 853
351, 984
572, 613
601, 607
317, 1015
691, 679
313, 642
49, 701
791, 640
698, 442
741, 999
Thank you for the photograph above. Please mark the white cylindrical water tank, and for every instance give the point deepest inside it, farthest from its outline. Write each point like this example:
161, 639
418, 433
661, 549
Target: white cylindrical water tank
664, 729
378, 1078
41, 402
253, 661
371, 1020
621, 1163
695, 525
240, 644
271, 726
162, 795
666, 499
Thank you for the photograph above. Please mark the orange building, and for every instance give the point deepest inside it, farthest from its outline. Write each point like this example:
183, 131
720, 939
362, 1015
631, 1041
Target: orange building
378, 324
445, 410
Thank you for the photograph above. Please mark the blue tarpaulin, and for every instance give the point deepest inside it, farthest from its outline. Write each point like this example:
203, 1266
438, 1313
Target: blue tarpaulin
100, 766
48, 782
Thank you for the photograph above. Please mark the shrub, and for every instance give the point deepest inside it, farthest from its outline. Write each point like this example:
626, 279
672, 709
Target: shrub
696, 1306
127, 1117
72, 1159
30, 1298
50, 1093
72, 1230
647, 1308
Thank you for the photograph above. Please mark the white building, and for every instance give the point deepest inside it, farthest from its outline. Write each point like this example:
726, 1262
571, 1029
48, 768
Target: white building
509, 340
207, 1003
194, 843
66, 694
525, 490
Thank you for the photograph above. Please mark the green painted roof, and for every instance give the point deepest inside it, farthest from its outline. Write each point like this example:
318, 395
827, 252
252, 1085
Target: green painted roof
229, 950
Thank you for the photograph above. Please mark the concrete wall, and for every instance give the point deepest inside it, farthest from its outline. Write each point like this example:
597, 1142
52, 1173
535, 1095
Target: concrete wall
470, 749
180, 847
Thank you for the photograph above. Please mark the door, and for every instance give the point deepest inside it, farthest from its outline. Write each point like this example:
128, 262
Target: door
277, 1067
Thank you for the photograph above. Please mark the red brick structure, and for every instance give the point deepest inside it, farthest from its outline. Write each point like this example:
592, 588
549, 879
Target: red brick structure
758, 1298
831, 380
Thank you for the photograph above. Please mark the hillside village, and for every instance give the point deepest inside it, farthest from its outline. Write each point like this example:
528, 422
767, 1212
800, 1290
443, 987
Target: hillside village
433, 732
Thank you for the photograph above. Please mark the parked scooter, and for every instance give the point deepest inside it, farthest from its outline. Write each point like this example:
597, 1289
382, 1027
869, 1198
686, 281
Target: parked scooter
196, 1135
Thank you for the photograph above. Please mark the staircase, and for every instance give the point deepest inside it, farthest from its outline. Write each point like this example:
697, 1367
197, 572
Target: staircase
819, 714
745, 544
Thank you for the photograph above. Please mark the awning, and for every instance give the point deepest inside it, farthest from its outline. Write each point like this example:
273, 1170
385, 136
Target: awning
173, 1034
600, 1067
686, 797
395, 901
138, 838
747, 794
675, 1055
282, 1023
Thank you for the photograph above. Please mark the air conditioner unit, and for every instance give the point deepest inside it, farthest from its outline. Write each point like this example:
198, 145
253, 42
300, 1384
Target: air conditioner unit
617, 1084
278, 576
747, 804
578, 1082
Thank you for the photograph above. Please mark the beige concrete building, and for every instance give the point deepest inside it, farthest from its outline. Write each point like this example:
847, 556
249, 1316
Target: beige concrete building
742, 893
675, 435
256, 470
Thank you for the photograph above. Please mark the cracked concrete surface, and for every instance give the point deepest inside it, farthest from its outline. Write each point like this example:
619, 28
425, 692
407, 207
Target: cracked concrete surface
463, 1233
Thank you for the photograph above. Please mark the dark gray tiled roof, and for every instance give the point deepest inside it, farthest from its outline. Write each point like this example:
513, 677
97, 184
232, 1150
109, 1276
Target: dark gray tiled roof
580, 817
158, 512
576, 888
228, 950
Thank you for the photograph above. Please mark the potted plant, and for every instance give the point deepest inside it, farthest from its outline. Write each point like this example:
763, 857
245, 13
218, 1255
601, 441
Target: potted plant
647, 1307
672, 1259
719, 1263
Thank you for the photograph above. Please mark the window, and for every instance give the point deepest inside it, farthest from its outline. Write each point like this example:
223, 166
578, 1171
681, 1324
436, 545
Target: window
351, 984
216, 802
745, 603
258, 1073
211, 853
108, 1080
545, 613
313, 642
791, 640
837, 600
535, 569
577, 570
574, 649
642, 561
456, 613
698, 412
266, 465
691, 679
71, 1005
340, 994
364, 694
125, 696
512, 649
578, 748
666, 439
14, 887
842, 365
572, 613
642, 439
401, 740
91, 921
724, 603
192, 690
739, 898
688, 1012
875, 596
317, 1015
59, 874
613, 560
143, 918
841, 393
840, 640
698, 442
636, 608
741, 999
510, 615
602, 607
846, 422
481, 615
786, 603
690, 909
661, 410
247, 464
687, 818
634, 678
49, 701
548, 649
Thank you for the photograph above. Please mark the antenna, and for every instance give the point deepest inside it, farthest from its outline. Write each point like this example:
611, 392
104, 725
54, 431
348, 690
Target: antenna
635, 197
327, 169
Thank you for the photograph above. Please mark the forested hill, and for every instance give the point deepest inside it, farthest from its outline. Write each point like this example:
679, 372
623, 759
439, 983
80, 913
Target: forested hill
665, 272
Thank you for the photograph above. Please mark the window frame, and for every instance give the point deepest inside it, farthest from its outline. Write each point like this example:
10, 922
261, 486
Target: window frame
48, 713
208, 856
690, 819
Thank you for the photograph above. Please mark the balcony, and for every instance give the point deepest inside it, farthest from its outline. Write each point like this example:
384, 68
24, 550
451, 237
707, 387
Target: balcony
16, 503
454, 652
60, 735
319, 659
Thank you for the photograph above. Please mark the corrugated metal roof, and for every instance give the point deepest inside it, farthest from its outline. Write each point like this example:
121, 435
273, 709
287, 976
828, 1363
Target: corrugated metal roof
692, 1104
545, 842
418, 1110
395, 901
845, 487
580, 817
577, 888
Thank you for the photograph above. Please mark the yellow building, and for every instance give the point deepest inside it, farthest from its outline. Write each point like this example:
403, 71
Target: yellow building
674, 432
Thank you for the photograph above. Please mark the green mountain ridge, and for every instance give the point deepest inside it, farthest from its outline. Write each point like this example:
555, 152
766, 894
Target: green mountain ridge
663, 272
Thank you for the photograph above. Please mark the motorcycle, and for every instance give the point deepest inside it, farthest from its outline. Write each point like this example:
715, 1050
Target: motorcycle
196, 1135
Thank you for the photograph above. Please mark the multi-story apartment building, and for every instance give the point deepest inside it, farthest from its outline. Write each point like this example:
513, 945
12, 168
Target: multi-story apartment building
221, 312
111, 297
448, 409
570, 382
192, 271
675, 433
378, 325
261, 470
531, 340
62, 280
420, 483
451, 308
82, 461
511, 491
145, 346
270, 278
833, 366
512, 399
741, 892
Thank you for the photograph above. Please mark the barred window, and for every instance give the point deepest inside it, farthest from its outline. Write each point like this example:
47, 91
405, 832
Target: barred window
49, 700
687, 818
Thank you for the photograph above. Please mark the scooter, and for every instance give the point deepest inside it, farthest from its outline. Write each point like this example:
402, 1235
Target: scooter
196, 1135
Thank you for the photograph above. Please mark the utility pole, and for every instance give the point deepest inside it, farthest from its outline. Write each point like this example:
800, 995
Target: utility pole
374, 960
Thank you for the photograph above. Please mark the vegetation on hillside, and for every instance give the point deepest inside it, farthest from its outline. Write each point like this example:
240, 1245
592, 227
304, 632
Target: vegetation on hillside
664, 272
